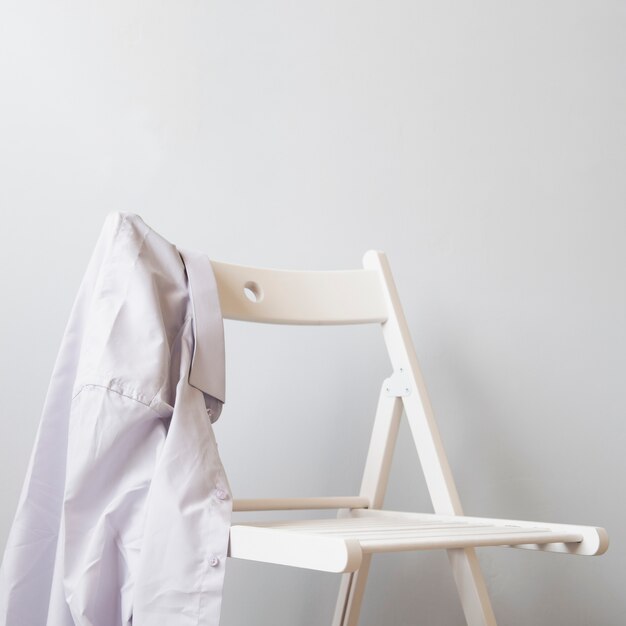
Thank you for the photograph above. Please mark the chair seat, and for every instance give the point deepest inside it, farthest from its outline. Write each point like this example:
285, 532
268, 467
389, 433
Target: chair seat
337, 544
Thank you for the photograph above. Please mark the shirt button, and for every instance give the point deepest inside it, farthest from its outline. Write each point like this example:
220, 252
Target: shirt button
213, 561
221, 494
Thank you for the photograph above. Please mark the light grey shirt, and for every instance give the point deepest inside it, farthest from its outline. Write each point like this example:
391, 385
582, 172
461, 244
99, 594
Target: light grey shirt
125, 511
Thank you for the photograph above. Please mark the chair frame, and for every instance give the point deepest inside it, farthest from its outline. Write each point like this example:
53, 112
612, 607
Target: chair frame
369, 295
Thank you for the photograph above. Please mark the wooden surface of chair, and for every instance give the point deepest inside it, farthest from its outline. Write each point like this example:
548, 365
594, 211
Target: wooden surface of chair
345, 544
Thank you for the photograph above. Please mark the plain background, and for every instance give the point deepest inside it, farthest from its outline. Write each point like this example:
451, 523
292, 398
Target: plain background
481, 145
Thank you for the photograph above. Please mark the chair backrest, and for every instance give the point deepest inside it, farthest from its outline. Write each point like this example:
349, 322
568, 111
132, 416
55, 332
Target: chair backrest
367, 295
257, 294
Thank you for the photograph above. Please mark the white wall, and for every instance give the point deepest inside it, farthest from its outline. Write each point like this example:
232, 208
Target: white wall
481, 145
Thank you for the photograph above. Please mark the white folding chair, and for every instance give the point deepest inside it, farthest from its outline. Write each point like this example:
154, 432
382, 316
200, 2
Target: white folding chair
362, 528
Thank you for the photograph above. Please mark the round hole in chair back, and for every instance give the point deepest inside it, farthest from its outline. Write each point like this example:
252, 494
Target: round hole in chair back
253, 291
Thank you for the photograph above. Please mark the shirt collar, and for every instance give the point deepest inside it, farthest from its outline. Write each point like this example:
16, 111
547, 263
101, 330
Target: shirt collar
208, 361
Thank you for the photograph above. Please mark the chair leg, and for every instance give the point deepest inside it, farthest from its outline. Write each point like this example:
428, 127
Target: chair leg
351, 590
467, 574
427, 439
471, 587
